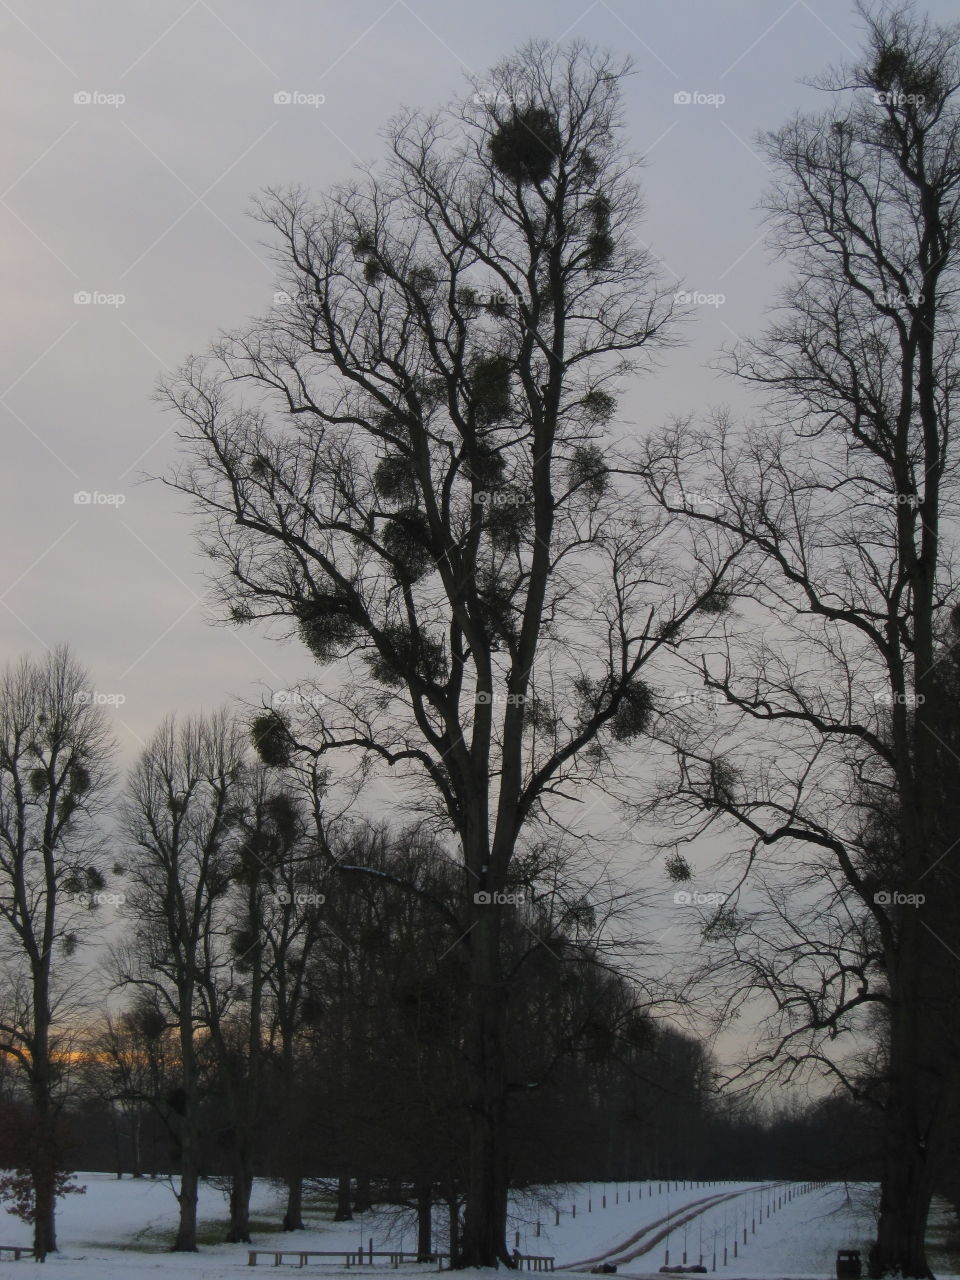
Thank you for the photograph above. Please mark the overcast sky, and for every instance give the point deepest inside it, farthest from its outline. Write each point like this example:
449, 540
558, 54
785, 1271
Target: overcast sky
136, 132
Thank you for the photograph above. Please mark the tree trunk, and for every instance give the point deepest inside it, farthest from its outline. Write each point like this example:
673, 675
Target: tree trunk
914, 1108
453, 1220
344, 1211
362, 1200
136, 1137
293, 1216
904, 1205
44, 1229
186, 1239
484, 1242
45, 1158
424, 1222
240, 1188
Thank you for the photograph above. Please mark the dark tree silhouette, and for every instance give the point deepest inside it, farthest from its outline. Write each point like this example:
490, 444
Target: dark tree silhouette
422, 483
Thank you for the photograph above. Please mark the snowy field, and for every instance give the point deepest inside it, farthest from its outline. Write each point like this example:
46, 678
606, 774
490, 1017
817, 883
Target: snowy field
120, 1229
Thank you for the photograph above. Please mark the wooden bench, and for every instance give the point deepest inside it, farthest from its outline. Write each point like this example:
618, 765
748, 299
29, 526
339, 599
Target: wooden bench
365, 1257
18, 1250
349, 1257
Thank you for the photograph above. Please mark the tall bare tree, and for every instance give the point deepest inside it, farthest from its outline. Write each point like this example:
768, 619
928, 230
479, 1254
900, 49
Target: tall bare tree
833, 678
181, 817
55, 752
422, 481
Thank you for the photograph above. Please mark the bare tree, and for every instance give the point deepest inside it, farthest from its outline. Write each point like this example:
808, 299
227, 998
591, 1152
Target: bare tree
55, 751
126, 1066
833, 674
181, 816
423, 483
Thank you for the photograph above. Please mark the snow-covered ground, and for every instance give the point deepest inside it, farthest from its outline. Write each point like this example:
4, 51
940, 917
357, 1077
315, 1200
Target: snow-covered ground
121, 1229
